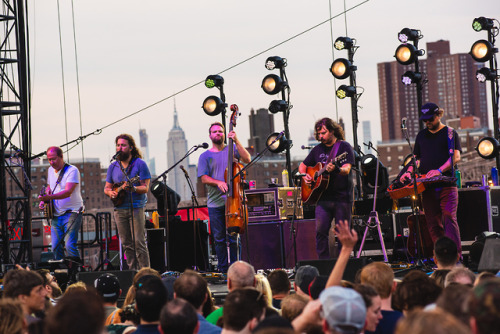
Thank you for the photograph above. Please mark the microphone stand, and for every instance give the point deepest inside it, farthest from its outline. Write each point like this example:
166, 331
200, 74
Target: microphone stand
195, 225
163, 176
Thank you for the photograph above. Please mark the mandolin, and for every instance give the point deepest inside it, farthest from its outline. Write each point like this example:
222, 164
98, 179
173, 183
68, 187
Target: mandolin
48, 207
120, 189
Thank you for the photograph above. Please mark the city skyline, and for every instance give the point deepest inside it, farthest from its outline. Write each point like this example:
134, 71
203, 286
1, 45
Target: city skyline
125, 67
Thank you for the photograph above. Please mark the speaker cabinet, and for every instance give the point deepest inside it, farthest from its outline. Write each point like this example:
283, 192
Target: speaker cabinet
489, 259
182, 242
157, 248
262, 245
305, 233
325, 267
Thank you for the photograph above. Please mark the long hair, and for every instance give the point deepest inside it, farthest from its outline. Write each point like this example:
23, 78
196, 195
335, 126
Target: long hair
136, 153
331, 126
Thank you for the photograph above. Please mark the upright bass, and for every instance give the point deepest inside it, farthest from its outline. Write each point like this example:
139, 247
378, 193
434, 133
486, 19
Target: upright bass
236, 209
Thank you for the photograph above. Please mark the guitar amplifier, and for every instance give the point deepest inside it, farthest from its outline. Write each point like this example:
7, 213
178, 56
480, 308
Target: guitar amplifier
262, 205
290, 203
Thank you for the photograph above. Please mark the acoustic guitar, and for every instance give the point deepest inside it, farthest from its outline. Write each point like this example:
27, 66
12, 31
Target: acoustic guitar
120, 189
48, 207
312, 192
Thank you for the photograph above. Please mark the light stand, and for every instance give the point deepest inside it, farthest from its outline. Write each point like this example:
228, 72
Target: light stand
374, 214
212, 104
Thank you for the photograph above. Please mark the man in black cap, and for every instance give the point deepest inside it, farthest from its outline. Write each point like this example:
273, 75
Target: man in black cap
437, 149
108, 287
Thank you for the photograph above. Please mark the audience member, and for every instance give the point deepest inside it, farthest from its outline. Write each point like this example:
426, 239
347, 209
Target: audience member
280, 286
454, 299
274, 322
317, 286
179, 317
381, 277
303, 277
150, 297
11, 313
445, 253
243, 310
439, 276
416, 291
26, 287
484, 307
79, 312
430, 322
262, 284
373, 304
240, 274
108, 286
191, 287
209, 305
481, 277
77, 286
460, 275
292, 306
53, 289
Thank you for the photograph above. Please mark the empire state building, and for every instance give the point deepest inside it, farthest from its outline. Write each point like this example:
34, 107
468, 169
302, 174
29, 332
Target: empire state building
176, 149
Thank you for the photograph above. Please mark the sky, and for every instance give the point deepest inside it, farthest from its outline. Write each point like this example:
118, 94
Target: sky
131, 55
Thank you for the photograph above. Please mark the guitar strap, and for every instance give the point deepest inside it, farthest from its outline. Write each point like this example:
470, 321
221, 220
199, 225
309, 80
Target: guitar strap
451, 148
334, 151
61, 174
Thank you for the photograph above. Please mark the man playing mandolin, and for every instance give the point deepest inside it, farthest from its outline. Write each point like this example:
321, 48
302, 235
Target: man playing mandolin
129, 216
64, 201
335, 201
211, 167
435, 147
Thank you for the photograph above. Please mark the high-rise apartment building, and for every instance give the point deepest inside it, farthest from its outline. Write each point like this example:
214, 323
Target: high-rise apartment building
261, 126
143, 140
449, 82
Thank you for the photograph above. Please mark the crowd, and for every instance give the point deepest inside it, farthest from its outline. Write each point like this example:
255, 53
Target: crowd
451, 300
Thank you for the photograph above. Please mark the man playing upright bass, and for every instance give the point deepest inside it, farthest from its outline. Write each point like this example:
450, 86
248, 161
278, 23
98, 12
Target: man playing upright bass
129, 216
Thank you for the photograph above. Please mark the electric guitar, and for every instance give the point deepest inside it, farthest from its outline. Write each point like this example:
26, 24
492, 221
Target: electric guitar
312, 192
120, 189
48, 207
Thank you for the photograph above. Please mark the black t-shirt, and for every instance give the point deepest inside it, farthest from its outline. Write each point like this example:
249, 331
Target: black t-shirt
432, 149
340, 186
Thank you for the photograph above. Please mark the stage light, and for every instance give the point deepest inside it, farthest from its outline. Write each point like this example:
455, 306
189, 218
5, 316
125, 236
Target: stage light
277, 106
279, 145
173, 198
482, 23
272, 84
482, 51
342, 43
485, 74
406, 54
346, 91
214, 81
408, 34
212, 105
487, 148
369, 173
275, 62
341, 68
411, 77
368, 161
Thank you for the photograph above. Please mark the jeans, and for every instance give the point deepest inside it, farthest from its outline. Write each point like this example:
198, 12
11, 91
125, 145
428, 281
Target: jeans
140, 258
326, 211
69, 224
221, 237
440, 206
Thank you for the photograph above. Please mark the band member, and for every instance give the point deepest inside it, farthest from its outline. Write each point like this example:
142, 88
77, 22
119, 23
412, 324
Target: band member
211, 167
336, 200
435, 146
63, 190
129, 216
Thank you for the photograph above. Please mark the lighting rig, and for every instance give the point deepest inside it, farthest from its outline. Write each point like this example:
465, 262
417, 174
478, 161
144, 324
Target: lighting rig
214, 105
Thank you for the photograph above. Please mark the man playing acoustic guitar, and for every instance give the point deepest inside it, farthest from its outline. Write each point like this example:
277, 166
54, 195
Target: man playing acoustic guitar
336, 199
129, 216
64, 197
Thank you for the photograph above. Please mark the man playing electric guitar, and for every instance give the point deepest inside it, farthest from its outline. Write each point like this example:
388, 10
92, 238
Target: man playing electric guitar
129, 215
63, 190
336, 200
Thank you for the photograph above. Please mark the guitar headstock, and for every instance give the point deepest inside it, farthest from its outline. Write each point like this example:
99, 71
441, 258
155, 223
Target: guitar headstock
43, 189
340, 159
235, 113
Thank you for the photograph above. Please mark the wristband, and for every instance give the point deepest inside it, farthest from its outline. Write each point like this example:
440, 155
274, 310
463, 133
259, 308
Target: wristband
440, 171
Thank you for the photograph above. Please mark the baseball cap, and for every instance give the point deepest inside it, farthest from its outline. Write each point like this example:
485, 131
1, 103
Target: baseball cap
305, 276
428, 111
108, 285
343, 309
317, 286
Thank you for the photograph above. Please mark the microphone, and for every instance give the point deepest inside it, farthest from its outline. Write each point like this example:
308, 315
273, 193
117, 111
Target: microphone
306, 147
184, 170
403, 123
204, 145
117, 154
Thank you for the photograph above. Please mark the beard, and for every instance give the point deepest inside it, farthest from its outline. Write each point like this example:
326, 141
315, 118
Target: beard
124, 156
218, 140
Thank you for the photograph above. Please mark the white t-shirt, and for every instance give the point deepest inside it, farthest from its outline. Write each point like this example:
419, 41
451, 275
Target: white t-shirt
74, 202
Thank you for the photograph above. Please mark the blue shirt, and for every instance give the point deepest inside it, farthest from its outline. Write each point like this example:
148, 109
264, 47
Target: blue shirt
137, 167
206, 327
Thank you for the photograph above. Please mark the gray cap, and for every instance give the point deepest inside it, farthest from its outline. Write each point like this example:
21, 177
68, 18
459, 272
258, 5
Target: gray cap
343, 309
305, 276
